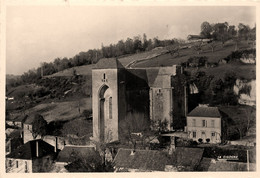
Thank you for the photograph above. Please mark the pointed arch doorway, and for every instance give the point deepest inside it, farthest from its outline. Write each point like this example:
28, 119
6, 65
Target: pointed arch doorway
105, 112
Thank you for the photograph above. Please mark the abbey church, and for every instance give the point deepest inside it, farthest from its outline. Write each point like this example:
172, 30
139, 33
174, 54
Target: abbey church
136, 95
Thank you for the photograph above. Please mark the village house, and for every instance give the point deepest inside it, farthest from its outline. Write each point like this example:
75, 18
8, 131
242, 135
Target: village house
34, 156
72, 153
27, 129
119, 94
204, 124
19, 120
12, 144
16, 121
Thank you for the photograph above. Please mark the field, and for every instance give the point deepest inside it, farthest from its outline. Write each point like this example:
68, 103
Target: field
185, 54
66, 110
243, 71
81, 70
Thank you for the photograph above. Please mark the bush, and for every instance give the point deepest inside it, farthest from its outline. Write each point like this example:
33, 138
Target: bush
200, 140
208, 140
87, 113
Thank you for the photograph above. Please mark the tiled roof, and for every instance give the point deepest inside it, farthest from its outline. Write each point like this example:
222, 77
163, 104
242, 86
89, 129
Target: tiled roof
204, 111
20, 118
188, 157
143, 160
68, 152
108, 63
29, 119
28, 150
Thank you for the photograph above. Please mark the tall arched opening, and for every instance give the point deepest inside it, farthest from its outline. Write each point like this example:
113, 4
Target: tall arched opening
105, 112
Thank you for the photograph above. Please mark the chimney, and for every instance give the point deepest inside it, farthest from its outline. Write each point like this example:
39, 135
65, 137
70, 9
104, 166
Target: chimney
37, 149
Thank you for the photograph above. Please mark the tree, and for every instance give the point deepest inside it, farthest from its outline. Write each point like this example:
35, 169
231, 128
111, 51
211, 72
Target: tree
243, 118
91, 163
133, 123
137, 44
220, 32
212, 45
232, 32
243, 31
236, 39
39, 126
206, 30
145, 42
198, 47
230, 79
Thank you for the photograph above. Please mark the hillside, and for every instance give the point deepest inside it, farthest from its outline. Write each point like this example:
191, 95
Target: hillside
60, 111
125, 60
161, 56
213, 57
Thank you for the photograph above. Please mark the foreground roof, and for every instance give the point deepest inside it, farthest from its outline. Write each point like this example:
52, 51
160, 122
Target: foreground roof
108, 63
68, 152
144, 160
28, 150
188, 157
205, 111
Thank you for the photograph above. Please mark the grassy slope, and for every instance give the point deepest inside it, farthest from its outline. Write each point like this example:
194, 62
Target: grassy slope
242, 70
15, 91
65, 110
86, 69
185, 54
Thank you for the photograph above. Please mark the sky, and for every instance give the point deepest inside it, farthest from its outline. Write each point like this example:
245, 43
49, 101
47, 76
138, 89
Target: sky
36, 34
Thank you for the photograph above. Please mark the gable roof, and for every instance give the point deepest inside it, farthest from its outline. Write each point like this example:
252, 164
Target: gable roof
20, 118
205, 111
108, 63
68, 152
28, 150
144, 160
190, 158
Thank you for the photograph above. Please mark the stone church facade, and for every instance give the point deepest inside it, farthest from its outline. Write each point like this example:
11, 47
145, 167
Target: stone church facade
124, 96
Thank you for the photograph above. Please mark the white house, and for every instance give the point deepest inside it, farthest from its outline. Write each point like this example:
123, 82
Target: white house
204, 123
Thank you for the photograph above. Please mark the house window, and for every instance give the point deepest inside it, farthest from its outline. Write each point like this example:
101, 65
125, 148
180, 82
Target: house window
26, 167
202, 133
213, 134
204, 123
28, 127
193, 122
10, 163
212, 123
194, 134
17, 164
110, 107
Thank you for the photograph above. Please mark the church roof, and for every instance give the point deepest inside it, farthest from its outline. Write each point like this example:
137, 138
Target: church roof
205, 111
108, 63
